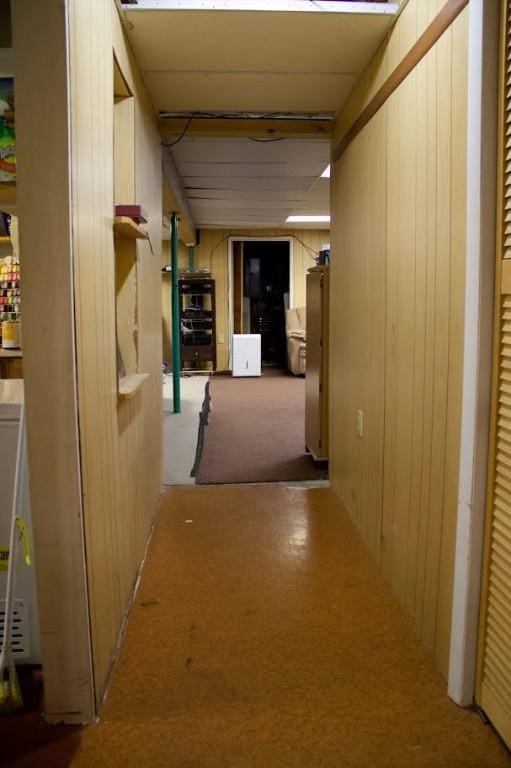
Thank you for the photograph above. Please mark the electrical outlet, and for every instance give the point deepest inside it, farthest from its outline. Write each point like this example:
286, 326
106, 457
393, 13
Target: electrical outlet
360, 423
221, 338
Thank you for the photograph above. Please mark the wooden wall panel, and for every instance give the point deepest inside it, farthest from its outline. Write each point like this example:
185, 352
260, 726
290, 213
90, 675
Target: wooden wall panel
126, 291
384, 62
403, 179
120, 440
45, 215
357, 316
124, 149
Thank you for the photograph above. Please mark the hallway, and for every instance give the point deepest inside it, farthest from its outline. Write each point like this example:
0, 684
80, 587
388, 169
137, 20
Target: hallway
262, 635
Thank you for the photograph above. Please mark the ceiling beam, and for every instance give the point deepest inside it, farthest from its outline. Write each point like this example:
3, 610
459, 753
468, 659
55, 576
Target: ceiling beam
245, 128
186, 234
175, 200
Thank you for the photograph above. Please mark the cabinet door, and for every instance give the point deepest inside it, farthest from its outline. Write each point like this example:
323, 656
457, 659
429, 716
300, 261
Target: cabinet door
313, 370
494, 669
325, 342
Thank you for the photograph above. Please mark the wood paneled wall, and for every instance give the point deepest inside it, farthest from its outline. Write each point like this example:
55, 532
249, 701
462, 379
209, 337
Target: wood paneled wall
120, 440
212, 253
397, 288
45, 226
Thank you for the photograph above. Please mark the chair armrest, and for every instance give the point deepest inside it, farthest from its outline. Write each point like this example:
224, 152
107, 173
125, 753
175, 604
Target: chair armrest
296, 333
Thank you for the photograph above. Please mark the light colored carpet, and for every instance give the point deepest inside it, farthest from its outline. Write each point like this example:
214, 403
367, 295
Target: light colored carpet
256, 432
180, 430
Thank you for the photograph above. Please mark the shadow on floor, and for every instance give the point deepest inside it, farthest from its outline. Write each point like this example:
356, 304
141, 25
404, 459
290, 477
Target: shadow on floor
25, 737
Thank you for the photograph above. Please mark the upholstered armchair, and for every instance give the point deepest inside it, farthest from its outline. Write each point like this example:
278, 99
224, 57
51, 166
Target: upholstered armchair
295, 335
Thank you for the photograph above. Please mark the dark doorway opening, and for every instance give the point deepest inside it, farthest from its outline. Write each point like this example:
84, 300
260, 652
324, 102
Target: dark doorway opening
265, 269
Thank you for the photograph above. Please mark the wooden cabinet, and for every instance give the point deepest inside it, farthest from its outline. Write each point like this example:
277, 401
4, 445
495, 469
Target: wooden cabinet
11, 364
316, 372
197, 319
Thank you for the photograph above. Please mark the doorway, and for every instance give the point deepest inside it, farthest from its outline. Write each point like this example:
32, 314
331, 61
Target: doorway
260, 291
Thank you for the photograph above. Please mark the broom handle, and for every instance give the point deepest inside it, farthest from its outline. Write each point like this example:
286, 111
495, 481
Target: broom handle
12, 543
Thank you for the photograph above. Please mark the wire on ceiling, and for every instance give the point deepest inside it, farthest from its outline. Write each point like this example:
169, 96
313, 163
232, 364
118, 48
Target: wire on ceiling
265, 141
230, 116
182, 134
195, 115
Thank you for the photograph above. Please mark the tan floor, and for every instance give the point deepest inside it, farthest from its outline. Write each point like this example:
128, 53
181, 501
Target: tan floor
263, 636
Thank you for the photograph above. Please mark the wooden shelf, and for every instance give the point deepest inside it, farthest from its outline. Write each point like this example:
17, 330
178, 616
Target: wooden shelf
126, 227
10, 352
128, 385
5, 240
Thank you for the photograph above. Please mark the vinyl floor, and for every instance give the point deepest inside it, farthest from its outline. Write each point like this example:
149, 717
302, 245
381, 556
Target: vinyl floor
263, 636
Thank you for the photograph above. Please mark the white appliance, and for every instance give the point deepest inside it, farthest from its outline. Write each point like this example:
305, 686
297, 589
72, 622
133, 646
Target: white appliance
246, 354
25, 625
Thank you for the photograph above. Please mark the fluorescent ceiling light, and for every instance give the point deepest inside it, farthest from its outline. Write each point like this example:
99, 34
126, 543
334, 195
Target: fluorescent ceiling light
326, 173
307, 219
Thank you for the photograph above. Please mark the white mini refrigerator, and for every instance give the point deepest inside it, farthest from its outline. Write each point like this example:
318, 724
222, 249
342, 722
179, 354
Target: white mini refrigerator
25, 625
246, 354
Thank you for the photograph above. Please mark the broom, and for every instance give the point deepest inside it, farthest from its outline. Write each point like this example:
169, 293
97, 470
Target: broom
10, 693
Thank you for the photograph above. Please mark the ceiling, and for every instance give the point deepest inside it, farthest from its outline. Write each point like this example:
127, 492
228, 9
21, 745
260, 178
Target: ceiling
242, 182
200, 60
299, 57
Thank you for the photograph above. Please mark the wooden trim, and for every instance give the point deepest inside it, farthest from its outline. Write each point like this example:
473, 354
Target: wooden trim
482, 130
425, 42
230, 273
237, 256
499, 268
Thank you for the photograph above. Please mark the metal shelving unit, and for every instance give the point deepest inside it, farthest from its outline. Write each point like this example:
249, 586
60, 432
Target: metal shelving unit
197, 321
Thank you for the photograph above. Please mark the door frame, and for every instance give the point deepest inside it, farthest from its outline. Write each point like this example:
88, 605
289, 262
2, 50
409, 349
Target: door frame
481, 186
230, 277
